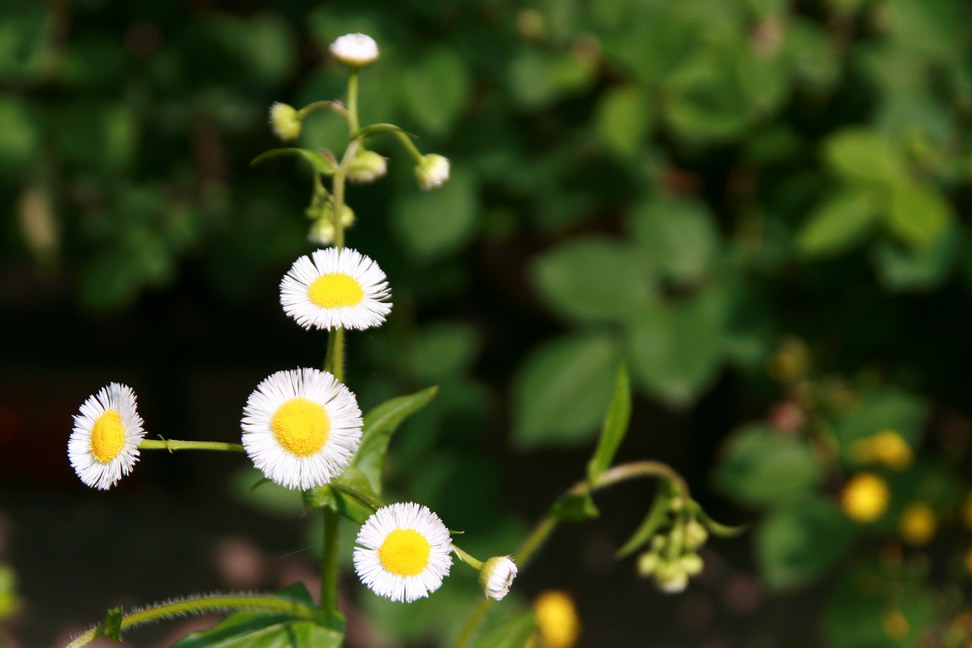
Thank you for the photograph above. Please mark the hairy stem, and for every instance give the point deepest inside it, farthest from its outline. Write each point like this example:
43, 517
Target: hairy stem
174, 444
202, 605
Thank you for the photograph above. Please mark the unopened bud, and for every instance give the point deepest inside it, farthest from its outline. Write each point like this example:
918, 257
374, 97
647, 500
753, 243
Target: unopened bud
691, 564
671, 578
355, 50
432, 171
496, 576
367, 166
285, 121
647, 563
321, 232
695, 535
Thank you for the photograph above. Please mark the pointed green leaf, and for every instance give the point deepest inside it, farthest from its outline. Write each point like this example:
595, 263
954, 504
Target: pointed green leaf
249, 628
919, 215
113, 623
864, 156
656, 516
350, 495
615, 425
318, 160
379, 424
839, 223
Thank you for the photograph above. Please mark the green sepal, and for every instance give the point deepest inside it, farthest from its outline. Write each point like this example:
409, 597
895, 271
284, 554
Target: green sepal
379, 424
248, 628
377, 129
350, 495
113, 623
656, 517
615, 425
321, 162
575, 507
715, 528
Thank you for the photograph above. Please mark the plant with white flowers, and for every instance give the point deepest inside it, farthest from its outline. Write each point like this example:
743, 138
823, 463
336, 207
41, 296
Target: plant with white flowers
303, 429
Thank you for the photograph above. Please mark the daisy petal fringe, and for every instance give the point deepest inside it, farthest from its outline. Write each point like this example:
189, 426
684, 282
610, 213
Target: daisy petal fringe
104, 443
301, 427
335, 288
404, 552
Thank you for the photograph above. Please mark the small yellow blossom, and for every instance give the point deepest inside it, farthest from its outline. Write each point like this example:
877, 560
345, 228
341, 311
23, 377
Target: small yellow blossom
895, 625
865, 497
557, 621
918, 524
967, 512
887, 447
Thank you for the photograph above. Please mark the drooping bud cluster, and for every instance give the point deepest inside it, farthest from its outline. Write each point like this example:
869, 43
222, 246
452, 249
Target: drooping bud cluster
673, 558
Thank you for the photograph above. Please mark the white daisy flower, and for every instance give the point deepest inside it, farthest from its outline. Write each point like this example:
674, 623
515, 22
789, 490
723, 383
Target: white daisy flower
334, 288
355, 50
496, 576
432, 171
301, 427
404, 552
104, 443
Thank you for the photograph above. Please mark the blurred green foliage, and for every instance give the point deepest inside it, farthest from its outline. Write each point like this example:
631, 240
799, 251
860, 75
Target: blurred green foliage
675, 184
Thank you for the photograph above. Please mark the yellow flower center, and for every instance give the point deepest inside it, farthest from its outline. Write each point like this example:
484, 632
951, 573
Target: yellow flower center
405, 552
107, 437
335, 291
301, 426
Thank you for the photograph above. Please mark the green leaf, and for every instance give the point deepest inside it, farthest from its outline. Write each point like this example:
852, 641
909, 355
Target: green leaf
919, 216
562, 388
379, 424
249, 628
350, 495
615, 425
916, 270
677, 349
761, 467
864, 156
862, 600
676, 236
840, 223
537, 78
113, 623
432, 224
886, 408
510, 632
795, 545
435, 89
656, 516
592, 279
318, 160
443, 349
18, 136
575, 507
623, 118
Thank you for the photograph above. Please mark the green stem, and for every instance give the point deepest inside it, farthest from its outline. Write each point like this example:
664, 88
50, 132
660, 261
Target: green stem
201, 605
467, 558
329, 575
173, 444
325, 105
353, 99
410, 146
542, 531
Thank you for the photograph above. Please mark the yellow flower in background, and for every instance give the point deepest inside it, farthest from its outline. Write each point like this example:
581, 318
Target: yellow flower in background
557, 622
895, 625
918, 524
967, 512
865, 497
887, 448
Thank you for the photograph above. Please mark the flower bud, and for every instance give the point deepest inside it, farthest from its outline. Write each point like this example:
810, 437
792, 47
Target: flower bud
432, 171
671, 578
647, 563
695, 535
285, 121
321, 232
355, 50
691, 564
367, 166
496, 576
